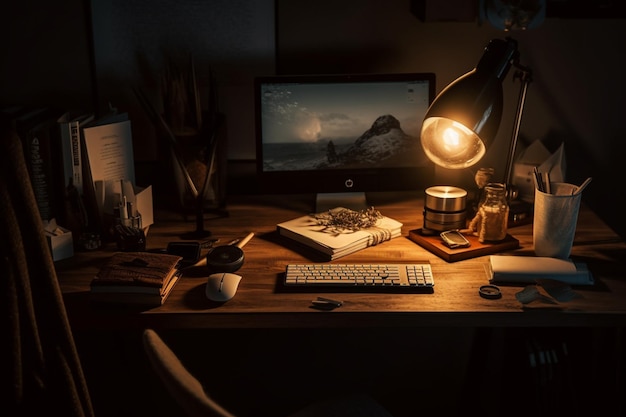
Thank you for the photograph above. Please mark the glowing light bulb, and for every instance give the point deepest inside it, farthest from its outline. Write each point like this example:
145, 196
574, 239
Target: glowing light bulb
450, 144
451, 137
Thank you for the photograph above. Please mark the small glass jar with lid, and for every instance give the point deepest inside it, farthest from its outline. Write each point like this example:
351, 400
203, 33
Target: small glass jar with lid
490, 223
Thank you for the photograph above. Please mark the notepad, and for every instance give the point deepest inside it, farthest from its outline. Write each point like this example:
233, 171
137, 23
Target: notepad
527, 269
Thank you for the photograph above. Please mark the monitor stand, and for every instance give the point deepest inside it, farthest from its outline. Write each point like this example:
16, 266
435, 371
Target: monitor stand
354, 201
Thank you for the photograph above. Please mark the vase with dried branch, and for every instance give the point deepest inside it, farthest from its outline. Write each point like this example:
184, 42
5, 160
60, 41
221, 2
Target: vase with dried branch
193, 137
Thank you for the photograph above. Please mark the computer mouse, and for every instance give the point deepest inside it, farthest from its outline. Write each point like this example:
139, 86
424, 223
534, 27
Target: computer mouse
222, 286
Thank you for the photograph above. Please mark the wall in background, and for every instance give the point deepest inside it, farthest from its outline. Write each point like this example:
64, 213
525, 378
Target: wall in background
133, 41
45, 53
575, 96
573, 61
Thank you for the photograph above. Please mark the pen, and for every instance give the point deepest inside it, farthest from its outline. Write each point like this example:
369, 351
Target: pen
546, 183
123, 204
245, 240
124, 208
538, 179
535, 180
582, 186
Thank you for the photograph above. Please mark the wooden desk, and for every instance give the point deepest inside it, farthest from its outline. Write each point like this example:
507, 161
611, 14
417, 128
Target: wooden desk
472, 345
455, 301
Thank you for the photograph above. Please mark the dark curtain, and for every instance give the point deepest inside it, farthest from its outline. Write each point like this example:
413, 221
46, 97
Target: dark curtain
40, 372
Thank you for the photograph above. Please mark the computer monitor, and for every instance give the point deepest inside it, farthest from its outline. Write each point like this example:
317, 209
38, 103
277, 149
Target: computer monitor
341, 136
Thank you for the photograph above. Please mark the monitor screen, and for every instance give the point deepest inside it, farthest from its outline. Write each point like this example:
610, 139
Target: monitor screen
342, 133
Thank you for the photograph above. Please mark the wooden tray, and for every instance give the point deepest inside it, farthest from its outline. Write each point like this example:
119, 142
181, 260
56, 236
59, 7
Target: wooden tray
434, 244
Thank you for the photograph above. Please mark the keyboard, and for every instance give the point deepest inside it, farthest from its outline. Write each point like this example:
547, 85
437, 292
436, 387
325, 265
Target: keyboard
414, 277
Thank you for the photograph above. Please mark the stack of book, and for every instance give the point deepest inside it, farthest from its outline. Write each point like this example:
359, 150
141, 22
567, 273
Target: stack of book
38, 130
331, 243
136, 278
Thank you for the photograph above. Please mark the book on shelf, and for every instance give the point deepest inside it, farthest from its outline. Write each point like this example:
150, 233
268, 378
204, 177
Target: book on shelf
70, 130
44, 161
35, 127
136, 278
331, 243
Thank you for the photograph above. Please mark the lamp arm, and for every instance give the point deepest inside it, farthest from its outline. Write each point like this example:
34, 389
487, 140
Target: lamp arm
525, 75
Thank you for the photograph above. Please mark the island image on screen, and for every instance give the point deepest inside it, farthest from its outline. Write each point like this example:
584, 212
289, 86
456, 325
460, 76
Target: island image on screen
342, 133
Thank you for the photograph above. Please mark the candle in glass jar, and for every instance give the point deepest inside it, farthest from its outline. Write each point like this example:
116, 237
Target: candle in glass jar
493, 224
490, 223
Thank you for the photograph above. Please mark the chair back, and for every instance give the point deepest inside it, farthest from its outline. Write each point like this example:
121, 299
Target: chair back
179, 382
192, 398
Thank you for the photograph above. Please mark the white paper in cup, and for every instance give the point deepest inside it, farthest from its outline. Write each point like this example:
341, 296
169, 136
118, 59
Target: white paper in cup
554, 220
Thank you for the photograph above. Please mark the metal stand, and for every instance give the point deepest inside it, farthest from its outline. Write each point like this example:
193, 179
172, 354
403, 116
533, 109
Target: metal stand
520, 212
525, 75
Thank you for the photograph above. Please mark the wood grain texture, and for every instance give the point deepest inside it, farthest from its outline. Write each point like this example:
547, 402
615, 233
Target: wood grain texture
259, 303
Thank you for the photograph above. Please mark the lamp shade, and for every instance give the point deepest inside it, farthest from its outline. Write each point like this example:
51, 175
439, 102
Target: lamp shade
463, 120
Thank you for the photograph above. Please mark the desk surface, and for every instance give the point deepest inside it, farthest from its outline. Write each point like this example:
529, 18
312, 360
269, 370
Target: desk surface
455, 301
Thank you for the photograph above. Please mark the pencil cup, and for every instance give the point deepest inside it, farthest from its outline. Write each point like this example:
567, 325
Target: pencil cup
554, 220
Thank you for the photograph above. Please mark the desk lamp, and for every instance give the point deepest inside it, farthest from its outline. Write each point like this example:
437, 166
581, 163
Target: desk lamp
464, 118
